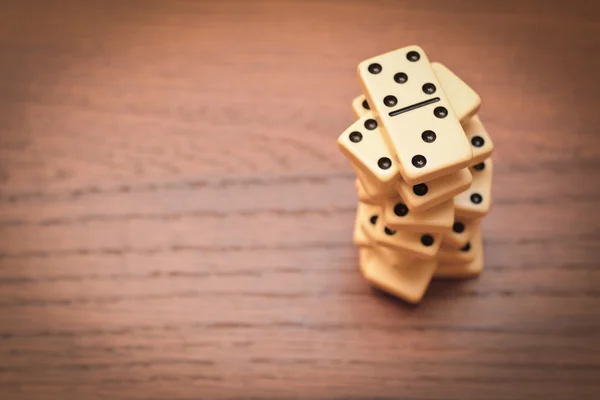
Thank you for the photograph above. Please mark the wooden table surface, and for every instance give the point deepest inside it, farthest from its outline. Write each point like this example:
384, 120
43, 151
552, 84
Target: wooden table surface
175, 217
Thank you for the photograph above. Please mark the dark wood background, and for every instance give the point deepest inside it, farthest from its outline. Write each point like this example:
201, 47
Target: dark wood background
175, 217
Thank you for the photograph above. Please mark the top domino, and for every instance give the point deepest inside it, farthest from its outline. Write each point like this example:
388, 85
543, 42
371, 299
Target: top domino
419, 124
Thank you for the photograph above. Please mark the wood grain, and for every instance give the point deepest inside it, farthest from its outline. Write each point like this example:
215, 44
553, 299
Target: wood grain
175, 218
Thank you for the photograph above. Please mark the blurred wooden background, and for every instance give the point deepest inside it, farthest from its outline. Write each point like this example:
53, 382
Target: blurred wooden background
175, 218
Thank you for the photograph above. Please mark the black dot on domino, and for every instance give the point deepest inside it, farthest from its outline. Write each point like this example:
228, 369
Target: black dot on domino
390, 101
400, 209
419, 161
479, 167
384, 163
373, 219
413, 56
477, 141
476, 198
458, 227
400, 77
355, 137
427, 240
428, 136
374, 68
365, 105
421, 189
467, 247
370, 124
429, 88
440, 112
389, 231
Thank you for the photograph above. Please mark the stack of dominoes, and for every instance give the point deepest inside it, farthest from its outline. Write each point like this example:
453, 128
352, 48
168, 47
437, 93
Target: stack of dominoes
423, 167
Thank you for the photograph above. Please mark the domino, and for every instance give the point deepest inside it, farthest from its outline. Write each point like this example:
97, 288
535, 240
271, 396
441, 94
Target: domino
390, 256
462, 231
361, 193
373, 191
451, 255
463, 268
363, 258
464, 100
476, 202
406, 278
358, 235
363, 145
419, 245
360, 106
398, 216
428, 194
418, 123
481, 142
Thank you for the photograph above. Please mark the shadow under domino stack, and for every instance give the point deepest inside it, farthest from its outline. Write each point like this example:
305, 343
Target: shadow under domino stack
423, 165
